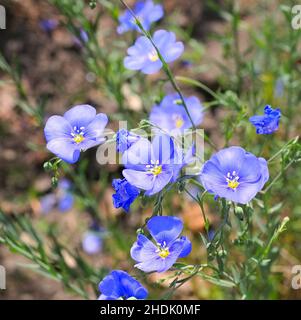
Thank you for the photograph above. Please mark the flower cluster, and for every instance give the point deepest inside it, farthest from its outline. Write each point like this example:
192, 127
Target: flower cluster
150, 166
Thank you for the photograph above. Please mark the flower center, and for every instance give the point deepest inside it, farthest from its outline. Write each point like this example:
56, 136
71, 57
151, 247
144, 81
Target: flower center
164, 253
163, 250
153, 56
78, 134
179, 122
232, 180
154, 168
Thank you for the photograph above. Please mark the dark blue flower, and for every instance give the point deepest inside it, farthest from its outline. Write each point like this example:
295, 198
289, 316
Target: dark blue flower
234, 174
267, 123
170, 114
143, 56
78, 130
168, 247
48, 25
125, 194
119, 285
62, 198
124, 139
146, 11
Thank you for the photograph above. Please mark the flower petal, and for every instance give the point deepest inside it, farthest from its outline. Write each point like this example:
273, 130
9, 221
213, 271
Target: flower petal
57, 127
163, 148
139, 179
186, 247
164, 228
64, 149
80, 115
143, 249
152, 67
160, 181
138, 155
96, 127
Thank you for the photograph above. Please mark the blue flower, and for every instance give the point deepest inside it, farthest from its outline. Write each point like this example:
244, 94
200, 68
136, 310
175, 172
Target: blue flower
146, 11
168, 245
125, 194
124, 139
81, 39
48, 25
143, 56
149, 165
279, 88
47, 203
171, 116
269, 122
92, 241
235, 175
62, 198
78, 130
119, 285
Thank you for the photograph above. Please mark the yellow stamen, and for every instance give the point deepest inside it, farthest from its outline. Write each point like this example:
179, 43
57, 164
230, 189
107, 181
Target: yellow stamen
153, 56
78, 138
156, 170
179, 122
164, 253
233, 184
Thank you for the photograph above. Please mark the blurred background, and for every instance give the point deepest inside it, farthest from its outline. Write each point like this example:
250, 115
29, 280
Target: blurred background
54, 55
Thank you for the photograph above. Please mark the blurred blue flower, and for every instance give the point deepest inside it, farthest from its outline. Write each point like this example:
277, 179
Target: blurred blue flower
234, 174
143, 56
279, 88
125, 194
92, 240
48, 25
119, 285
146, 11
47, 203
81, 39
124, 139
168, 245
150, 165
78, 130
62, 198
171, 116
267, 123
